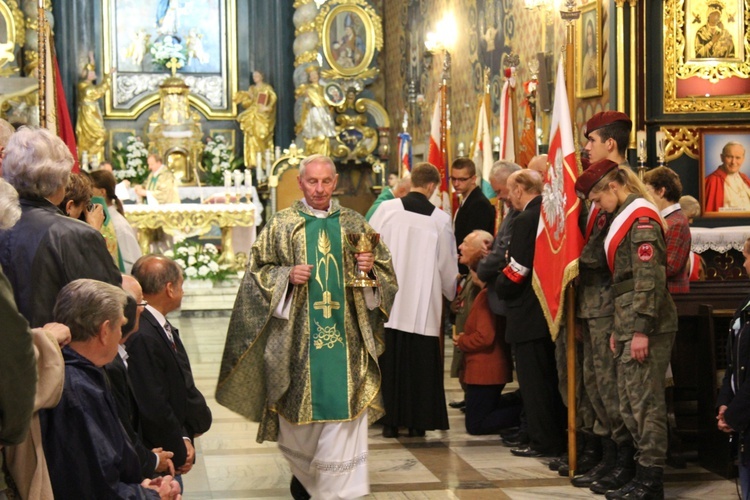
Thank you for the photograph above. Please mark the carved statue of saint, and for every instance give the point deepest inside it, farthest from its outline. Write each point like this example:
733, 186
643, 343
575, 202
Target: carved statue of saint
90, 130
316, 125
258, 119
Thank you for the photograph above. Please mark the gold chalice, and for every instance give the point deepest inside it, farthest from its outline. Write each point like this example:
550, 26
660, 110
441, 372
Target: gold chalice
362, 243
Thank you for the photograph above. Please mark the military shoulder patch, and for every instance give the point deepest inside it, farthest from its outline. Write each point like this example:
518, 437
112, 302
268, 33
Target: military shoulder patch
645, 252
644, 223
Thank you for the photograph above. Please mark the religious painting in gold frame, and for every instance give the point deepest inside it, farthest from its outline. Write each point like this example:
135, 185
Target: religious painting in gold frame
706, 56
589, 51
138, 37
722, 154
350, 32
12, 33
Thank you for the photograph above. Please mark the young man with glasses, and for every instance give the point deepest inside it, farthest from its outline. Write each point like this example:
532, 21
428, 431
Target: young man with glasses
475, 211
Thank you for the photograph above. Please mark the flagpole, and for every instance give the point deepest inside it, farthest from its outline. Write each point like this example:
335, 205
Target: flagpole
444, 118
42, 63
570, 17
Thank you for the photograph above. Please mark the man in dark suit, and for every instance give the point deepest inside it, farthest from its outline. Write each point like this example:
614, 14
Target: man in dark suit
475, 211
526, 327
152, 461
173, 411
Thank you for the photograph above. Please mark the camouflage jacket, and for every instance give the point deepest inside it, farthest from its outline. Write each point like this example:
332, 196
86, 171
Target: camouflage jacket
594, 294
639, 279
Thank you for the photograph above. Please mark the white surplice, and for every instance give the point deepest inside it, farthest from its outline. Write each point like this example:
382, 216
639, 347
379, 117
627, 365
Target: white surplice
423, 249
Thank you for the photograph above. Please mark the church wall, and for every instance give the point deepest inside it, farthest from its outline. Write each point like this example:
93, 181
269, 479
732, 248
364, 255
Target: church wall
265, 33
520, 31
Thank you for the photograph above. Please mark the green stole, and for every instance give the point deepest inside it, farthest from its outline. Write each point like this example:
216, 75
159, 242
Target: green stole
152, 182
326, 306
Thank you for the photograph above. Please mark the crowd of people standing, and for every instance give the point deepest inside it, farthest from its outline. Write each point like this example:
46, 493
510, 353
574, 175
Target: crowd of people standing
315, 357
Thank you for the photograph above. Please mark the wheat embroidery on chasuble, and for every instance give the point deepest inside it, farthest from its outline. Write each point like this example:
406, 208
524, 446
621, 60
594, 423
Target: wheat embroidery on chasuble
327, 310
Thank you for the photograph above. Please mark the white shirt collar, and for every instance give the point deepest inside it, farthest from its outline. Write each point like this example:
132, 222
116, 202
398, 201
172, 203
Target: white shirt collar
157, 315
670, 210
321, 214
123, 354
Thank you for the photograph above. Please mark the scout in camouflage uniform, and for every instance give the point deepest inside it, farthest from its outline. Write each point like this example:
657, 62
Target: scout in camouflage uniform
645, 317
607, 135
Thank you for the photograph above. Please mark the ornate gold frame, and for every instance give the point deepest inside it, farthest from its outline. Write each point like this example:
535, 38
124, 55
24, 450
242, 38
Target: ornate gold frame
15, 30
713, 70
580, 28
702, 160
229, 70
373, 34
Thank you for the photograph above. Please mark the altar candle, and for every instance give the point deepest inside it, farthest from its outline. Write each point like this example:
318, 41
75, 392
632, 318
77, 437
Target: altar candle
660, 137
268, 163
277, 152
237, 179
227, 180
248, 179
641, 144
258, 160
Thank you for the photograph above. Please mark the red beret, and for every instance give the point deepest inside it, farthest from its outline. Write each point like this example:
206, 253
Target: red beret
592, 175
604, 118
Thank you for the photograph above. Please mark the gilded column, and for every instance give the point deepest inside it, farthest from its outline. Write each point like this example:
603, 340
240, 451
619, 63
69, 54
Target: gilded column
633, 66
620, 56
306, 38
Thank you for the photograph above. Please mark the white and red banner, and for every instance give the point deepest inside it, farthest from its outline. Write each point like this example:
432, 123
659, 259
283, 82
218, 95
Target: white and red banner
436, 154
482, 154
559, 240
641, 210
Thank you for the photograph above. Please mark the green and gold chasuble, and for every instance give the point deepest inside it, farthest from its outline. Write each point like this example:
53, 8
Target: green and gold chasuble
326, 302
320, 363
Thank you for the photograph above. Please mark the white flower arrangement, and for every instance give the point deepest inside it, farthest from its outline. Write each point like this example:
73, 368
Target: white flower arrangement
131, 161
217, 159
198, 261
166, 49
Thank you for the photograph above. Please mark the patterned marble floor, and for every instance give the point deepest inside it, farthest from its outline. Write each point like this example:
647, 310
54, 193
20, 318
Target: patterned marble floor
444, 465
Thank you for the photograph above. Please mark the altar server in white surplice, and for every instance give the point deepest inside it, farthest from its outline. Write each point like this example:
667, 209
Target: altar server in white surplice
423, 248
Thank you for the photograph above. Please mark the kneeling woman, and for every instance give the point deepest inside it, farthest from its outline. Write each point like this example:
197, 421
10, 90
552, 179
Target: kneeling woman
487, 368
645, 316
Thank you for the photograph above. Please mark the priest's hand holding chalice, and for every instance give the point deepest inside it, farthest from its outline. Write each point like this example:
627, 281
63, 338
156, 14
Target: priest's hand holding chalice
362, 244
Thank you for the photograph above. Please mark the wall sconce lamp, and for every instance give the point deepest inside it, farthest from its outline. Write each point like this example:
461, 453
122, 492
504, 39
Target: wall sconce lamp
443, 39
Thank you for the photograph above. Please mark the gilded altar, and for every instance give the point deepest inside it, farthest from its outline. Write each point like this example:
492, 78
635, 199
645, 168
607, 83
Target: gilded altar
192, 219
174, 131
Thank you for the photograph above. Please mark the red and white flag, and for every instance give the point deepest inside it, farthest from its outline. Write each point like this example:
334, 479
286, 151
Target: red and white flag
436, 157
57, 116
559, 240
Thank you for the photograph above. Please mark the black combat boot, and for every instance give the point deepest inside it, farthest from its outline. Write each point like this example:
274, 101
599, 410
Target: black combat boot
627, 489
650, 485
605, 465
588, 459
622, 474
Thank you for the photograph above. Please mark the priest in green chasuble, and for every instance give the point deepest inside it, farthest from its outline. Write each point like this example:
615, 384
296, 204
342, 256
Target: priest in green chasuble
302, 348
